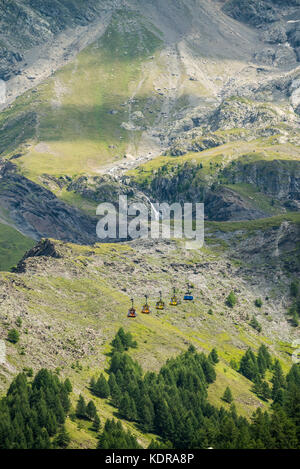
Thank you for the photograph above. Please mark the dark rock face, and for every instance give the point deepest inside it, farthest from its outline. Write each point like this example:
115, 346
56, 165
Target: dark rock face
45, 248
99, 189
224, 204
221, 203
279, 178
276, 246
258, 12
8, 57
254, 12
37, 213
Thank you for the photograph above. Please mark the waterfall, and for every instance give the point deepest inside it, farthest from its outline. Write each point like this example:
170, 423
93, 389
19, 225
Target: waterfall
153, 209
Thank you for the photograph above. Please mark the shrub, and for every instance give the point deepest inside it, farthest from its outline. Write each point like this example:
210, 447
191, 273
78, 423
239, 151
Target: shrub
231, 300
13, 336
19, 321
255, 324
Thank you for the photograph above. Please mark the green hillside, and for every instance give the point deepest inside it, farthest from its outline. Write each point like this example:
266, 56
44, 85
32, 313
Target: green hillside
13, 246
71, 307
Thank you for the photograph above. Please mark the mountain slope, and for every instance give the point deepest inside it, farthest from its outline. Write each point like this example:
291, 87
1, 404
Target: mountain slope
72, 299
143, 88
172, 100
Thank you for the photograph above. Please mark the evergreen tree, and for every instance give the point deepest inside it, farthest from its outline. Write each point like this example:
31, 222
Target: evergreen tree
115, 437
81, 410
227, 396
209, 371
31, 412
261, 388
278, 382
231, 300
264, 359
265, 391
13, 336
117, 344
68, 386
63, 438
283, 430
214, 356
93, 384
255, 324
91, 411
127, 407
101, 387
248, 365
96, 424
115, 391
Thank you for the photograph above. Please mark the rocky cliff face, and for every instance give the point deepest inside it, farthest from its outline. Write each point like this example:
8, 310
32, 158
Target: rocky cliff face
37, 213
272, 247
279, 179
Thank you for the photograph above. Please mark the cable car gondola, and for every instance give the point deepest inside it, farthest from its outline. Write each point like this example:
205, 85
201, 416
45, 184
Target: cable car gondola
146, 308
132, 312
160, 304
188, 296
174, 300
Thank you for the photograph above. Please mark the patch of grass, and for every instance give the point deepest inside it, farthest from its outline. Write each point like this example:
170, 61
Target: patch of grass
218, 158
253, 225
13, 246
256, 198
72, 198
245, 401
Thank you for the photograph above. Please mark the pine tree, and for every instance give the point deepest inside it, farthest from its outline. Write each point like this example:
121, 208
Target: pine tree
63, 438
227, 396
255, 324
231, 300
101, 388
147, 415
91, 410
81, 408
93, 384
115, 391
114, 437
278, 382
214, 356
125, 406
65, 400
209, 371
248, 365
117, 344
13, 336
68, 386
264, 360
283, 430
51, 424
266, 391
96, 424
